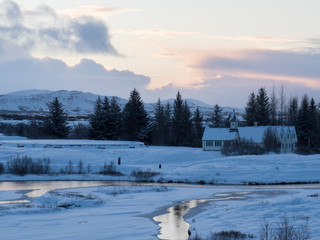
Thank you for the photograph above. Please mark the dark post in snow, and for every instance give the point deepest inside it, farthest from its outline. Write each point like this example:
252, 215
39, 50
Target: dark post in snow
119, 160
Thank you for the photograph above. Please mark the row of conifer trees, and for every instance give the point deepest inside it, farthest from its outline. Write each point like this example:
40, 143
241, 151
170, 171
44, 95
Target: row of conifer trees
278, 110
176, 125
170, 125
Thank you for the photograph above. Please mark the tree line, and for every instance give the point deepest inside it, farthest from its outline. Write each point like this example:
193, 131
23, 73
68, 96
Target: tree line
176, 125
275, 110
170, 125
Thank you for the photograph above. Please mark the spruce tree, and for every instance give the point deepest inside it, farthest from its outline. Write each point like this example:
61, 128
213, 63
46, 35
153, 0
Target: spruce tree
135, 119
197, 127
217, 118
167, 125
96, 121
304, 124
263, 107
105, 124
293, 112
314, 128
158, 134
56, 119
250, 110
114, 119
181, 122
187, 125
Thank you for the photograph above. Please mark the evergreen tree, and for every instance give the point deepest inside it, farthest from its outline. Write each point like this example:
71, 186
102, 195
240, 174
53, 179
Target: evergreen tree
56, 119
135, 119
250, 110
293, 112
304, 125
263, 108
217, 118
187, 125
314, 125
114, 119
158, 134
106, 128
167, 124
181, 122
197, 127
96, 121
177, 121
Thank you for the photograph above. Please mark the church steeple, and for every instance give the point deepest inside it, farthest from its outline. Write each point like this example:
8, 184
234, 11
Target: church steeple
233, 122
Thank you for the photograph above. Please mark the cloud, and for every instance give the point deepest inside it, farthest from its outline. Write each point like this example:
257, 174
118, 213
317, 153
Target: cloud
43, 28
26, 72
292, 67
156, 32
95, 10
227, 78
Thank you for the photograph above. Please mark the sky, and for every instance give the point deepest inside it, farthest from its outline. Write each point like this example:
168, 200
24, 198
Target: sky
214, 51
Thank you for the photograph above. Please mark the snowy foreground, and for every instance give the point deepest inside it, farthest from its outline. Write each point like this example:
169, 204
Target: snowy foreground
126, 212
177, 163
122, 212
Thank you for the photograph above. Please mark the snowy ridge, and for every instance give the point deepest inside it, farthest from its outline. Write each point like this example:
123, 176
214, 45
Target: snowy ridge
77, 103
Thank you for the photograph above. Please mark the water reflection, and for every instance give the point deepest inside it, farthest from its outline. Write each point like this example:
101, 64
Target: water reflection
14, 201
172, 224
36, 189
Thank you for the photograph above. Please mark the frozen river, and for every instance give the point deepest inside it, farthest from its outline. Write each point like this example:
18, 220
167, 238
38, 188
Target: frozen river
172, 214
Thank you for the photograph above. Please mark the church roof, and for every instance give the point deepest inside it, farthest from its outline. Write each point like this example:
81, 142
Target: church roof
218, 134
253, 133
250, 133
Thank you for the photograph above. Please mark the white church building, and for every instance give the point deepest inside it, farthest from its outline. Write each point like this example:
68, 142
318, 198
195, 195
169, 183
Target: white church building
215, 138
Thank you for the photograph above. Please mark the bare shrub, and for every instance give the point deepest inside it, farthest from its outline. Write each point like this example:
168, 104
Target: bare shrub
69, 168
1, 168
195, 237
80, 167
25, 165
19, 165
141, 175
270, 141
242, 147
266, 232
285, 231
110, 169
89, 168
229, 235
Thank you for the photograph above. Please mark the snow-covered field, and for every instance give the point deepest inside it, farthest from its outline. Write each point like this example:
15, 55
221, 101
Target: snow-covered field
177, 163
126, 212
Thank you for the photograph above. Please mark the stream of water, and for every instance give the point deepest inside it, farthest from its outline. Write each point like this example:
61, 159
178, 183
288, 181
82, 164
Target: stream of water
172, 224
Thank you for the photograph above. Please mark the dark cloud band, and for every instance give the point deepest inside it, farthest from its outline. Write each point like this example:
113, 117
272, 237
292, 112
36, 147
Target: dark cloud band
51, 30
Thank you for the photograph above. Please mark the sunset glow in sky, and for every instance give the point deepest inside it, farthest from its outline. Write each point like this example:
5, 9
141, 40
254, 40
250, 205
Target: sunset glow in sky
210, 50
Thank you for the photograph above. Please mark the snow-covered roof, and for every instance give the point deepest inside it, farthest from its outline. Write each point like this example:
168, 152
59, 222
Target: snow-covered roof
218, 134
250, 133
256, 133
253, 133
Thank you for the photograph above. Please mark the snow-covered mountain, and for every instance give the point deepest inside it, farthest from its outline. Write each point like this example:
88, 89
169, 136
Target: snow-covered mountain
76, 103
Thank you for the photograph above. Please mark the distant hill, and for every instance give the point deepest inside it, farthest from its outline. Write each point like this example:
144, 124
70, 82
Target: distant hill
76, 103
